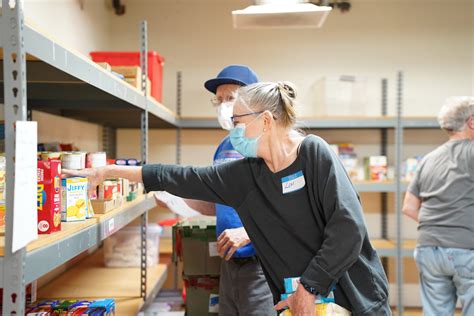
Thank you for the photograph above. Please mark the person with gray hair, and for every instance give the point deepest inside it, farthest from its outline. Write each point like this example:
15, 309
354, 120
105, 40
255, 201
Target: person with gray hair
441, 199
296, 202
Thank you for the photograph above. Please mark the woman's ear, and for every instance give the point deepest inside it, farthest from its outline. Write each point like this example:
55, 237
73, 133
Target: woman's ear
470, 122
267, 120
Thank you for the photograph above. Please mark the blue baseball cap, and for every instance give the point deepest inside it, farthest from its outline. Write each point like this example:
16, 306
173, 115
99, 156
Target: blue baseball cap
232, 74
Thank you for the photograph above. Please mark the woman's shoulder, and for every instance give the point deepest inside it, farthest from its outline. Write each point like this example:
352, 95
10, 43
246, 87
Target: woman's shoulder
313, 142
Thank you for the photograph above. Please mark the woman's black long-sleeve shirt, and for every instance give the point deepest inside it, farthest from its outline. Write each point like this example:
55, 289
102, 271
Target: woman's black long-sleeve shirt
304, 221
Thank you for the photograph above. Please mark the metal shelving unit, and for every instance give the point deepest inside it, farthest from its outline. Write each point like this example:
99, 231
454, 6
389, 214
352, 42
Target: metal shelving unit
41, 260
56, 80
50, 78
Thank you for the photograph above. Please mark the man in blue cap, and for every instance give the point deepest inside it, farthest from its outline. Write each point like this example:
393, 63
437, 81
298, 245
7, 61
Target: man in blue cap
243, 289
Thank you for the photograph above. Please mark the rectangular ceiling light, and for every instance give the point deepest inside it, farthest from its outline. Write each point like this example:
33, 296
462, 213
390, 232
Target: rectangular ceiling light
280, 15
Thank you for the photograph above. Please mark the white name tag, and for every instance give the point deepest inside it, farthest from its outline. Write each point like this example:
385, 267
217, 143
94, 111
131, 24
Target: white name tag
293, 182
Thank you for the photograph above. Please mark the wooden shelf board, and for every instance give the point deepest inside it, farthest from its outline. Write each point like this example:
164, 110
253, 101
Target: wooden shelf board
70, 228
103, 217
382, 244
391, 244
67, 229
90, 279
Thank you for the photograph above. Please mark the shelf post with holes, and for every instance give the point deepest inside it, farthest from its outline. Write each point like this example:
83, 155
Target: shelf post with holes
14, 72
384, 152
398, 193
144, 154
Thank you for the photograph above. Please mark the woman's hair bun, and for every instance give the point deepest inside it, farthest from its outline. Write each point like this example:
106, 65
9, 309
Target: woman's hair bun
287, 88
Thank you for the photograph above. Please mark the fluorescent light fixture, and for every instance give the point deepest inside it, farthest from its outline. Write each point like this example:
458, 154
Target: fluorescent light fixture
281, 14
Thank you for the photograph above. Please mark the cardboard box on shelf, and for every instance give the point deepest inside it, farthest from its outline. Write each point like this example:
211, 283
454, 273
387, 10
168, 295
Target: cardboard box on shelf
202, 296
128, 71
195, 243
106, 66
104, 206
136, 82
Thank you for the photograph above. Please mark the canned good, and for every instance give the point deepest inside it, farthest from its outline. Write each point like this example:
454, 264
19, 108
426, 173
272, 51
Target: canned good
73, 160
108, 190
128, 162
47, 156
96, 160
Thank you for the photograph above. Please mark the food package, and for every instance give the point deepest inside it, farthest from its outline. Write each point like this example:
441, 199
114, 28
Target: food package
101, 307
105, 307
75, 201
291, 284
2, 190
41, 308
350, 163
125, 187
410, 167
108, 190
49, 196
325, 309
376, 168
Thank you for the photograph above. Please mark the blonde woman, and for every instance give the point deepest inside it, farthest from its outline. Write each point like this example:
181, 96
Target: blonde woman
294, 198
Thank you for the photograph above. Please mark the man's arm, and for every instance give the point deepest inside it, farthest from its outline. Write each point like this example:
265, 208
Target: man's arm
411, 206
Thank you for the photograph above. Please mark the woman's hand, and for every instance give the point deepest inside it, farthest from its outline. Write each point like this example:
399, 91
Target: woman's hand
301, 303
95, 176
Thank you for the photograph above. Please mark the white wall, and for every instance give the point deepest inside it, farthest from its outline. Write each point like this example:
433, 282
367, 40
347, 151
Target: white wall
429, 40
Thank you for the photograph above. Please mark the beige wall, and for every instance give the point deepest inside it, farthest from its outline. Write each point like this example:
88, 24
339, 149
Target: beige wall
52, 128
371, 41
429, 40
83, 30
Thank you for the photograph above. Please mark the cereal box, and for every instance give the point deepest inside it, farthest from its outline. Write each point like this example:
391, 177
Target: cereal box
49, 196
75, 202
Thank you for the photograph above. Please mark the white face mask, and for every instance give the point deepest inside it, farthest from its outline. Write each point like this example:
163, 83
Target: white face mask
224, 115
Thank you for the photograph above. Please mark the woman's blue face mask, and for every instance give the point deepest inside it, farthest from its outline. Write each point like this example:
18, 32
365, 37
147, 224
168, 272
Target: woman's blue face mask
246, 146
